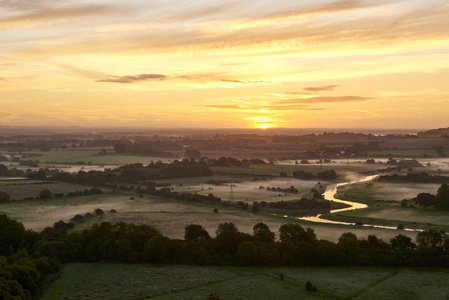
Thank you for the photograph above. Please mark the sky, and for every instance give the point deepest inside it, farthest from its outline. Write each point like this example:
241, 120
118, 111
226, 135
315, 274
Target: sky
225, 64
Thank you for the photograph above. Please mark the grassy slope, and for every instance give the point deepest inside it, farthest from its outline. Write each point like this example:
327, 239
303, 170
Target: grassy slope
143, 281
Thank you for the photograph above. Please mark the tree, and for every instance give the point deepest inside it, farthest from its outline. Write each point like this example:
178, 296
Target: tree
247, 253
226, 227
350, 244
262, 233
3, 169
45, 194
195, 232
429, 239
295, 233
426, 199
12, 235
402, 242
4, 197
99, 212
256, 208
443, 196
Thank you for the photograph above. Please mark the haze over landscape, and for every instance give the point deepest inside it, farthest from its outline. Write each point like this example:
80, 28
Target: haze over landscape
232, 64
224, 149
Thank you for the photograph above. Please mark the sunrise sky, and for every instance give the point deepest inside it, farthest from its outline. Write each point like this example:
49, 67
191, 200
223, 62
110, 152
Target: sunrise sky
224, 64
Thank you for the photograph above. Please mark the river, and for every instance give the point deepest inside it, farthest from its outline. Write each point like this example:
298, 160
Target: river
330, 193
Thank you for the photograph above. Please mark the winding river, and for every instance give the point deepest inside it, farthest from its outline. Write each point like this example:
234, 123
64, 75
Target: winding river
330, 193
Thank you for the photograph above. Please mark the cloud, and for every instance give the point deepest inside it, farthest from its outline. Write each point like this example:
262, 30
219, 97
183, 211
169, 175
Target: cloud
245, 82
320, 88
297, 93
224, 106
20, 5
282, 107
201, 13
62, 13
328, 99
234, 81
135, 78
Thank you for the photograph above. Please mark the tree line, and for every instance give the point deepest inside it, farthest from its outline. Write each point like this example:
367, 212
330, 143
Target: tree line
26, 257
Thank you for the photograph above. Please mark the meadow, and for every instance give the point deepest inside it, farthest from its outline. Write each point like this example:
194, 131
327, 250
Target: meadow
31, 188
143, 281
87, 155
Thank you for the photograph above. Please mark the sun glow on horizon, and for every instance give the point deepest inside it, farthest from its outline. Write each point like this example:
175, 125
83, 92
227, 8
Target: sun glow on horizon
322, 63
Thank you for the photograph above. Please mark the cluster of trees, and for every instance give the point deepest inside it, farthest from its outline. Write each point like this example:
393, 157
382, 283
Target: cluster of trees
231, 161
422, 177
440, 201
167, 192
23, 268
146, 148
323, 175
291, 190
136, 173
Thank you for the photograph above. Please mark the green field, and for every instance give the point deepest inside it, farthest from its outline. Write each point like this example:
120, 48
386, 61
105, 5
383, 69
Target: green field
404, 153
341, 167
91, 155
143, 281
31, 188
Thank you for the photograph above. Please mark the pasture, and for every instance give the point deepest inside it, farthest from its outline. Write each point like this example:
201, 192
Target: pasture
89, 155
168, 216
31, 188
143, 281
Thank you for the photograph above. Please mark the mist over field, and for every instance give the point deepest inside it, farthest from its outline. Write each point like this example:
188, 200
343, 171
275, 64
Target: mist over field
224, 150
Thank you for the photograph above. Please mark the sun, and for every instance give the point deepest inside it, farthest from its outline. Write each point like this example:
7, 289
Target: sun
264, 126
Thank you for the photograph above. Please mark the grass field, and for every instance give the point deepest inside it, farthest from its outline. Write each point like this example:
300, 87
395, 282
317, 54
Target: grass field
31, 188
404, 153
168, 216
142, 281
341, 167
75, 156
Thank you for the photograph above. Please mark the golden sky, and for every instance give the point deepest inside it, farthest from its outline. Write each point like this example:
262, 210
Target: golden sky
222, 64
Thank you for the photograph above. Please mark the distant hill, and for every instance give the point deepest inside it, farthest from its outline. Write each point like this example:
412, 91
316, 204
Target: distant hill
440, 132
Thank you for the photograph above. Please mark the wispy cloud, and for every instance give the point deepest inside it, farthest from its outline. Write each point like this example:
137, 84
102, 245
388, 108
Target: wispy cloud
327, 99
134, 78
320, 88
21, 5
271, 107
224, 106
59, 13
233, 81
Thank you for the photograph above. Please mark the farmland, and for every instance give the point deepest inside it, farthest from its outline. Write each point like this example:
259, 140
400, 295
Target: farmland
227, 190
140, 281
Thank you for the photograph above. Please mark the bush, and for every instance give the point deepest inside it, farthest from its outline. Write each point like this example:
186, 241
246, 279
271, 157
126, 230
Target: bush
4, 197
45, 194
310, 286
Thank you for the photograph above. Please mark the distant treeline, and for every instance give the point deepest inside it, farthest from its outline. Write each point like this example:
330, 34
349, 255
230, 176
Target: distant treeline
324, 175
422, 177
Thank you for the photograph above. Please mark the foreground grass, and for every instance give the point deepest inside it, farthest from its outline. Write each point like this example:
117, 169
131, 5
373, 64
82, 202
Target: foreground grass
143, 281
